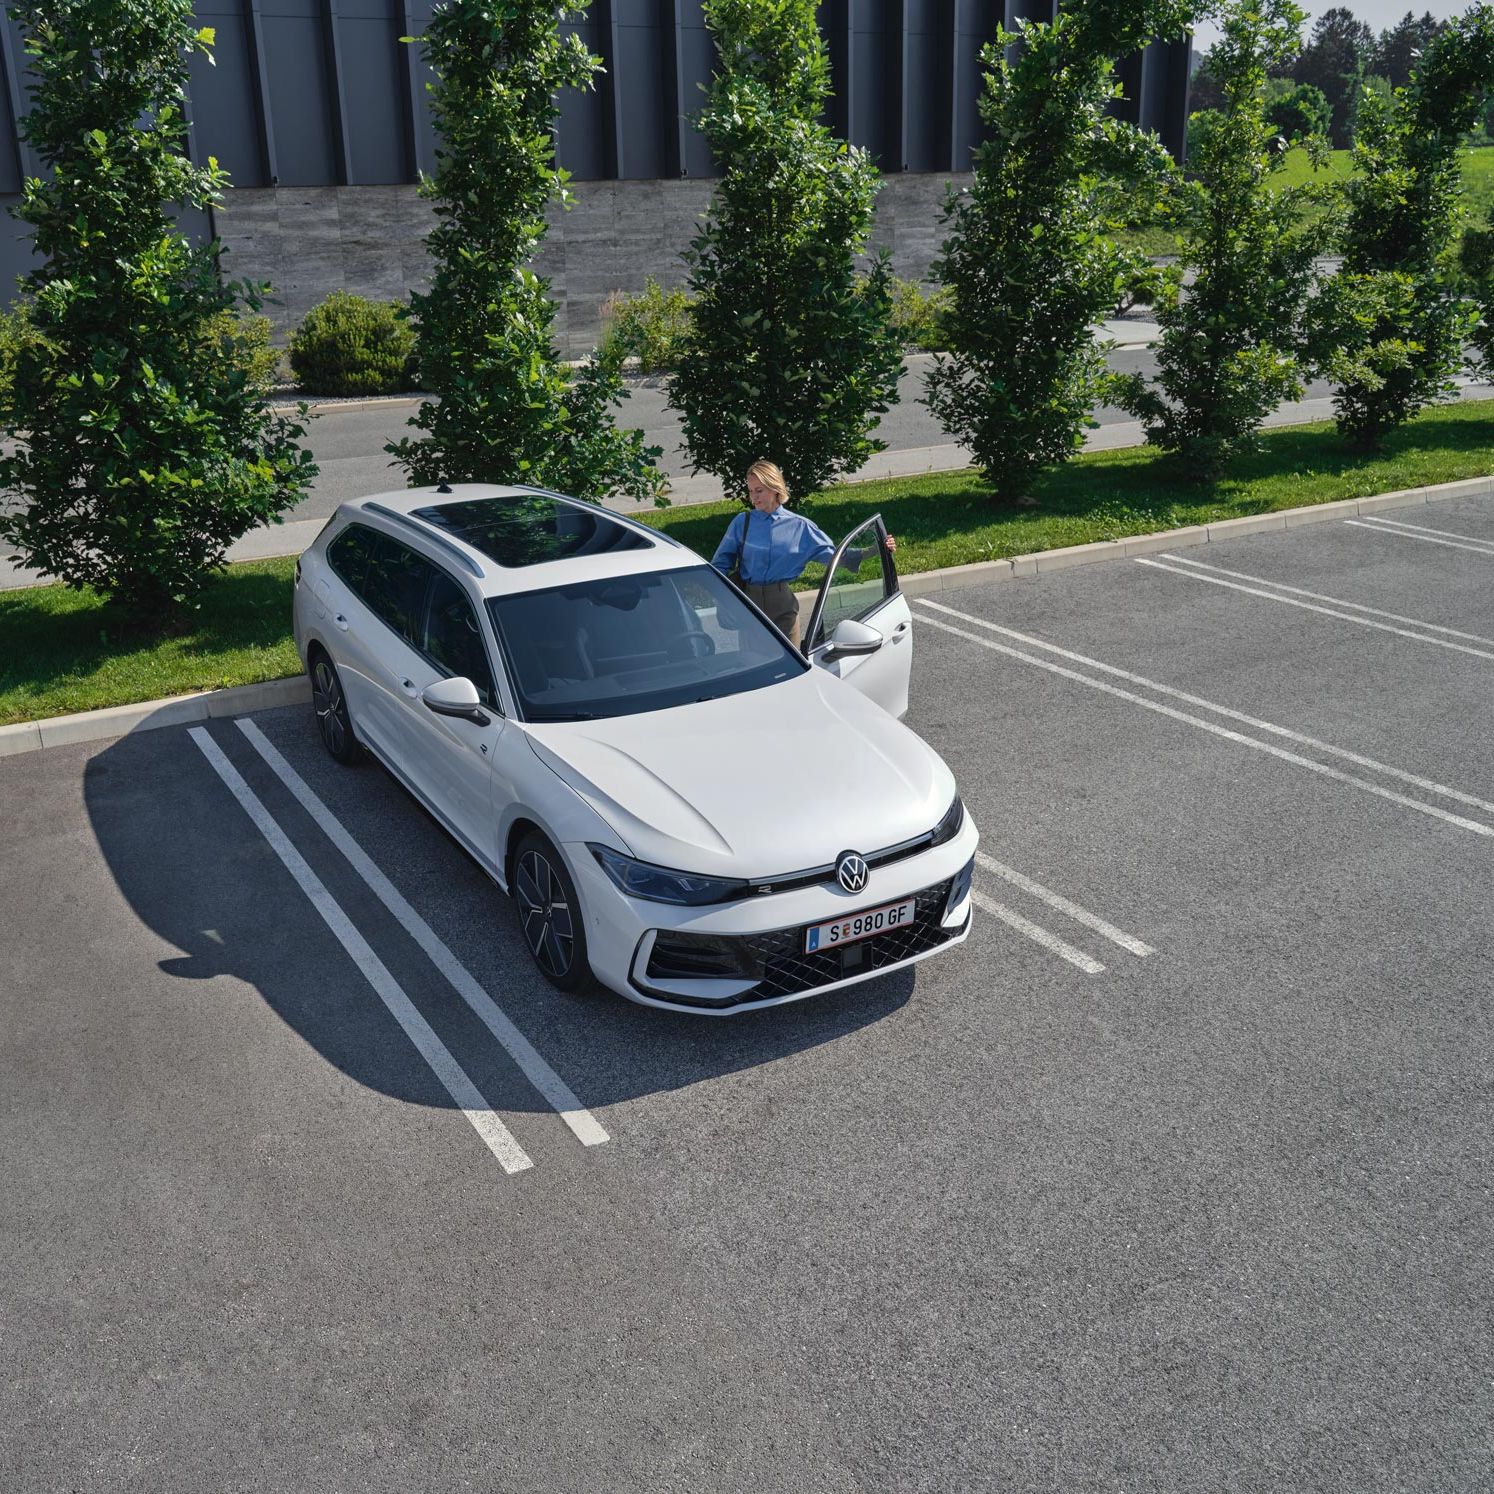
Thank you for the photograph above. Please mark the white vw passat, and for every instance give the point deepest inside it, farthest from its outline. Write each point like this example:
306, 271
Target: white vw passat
678, 801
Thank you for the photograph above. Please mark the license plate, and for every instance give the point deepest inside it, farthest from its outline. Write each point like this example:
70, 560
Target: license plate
858, 926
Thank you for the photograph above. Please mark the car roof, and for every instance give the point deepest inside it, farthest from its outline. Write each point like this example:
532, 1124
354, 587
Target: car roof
625, 546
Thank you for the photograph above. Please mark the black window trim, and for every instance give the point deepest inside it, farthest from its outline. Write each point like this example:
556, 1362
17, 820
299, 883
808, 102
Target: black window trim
500, 675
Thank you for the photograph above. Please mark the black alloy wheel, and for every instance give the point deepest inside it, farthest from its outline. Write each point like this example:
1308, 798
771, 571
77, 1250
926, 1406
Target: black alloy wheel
550, 914
331, 706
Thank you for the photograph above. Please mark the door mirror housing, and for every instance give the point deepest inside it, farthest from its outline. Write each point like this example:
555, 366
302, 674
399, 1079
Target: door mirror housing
853, 637
456, 697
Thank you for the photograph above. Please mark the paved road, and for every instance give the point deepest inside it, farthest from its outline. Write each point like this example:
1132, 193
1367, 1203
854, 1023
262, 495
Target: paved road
1214, 1217
348, 442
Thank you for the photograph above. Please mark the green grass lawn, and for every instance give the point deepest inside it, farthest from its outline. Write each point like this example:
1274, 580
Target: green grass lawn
62, 653
944, 519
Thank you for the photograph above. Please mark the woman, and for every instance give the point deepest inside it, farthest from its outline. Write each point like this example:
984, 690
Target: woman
770, 545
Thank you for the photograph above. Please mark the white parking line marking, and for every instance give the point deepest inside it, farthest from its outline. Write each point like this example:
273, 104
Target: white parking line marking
499, 1140
582, 1122
1363, 622
1038, 935
1219, 731
1425, 539
1379, 521
1299, 591
1064, 906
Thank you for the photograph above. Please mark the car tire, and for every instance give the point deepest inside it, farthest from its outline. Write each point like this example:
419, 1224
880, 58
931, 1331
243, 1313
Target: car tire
550, 916
330, 702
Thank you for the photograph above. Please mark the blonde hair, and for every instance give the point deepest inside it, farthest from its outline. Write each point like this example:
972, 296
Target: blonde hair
769, 476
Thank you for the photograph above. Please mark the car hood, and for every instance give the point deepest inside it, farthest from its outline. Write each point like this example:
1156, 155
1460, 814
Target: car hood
754, 785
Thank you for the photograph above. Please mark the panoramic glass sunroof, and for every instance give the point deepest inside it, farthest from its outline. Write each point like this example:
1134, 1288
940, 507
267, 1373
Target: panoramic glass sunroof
531, 528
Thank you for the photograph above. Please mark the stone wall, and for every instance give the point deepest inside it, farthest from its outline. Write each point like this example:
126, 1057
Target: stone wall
310, 241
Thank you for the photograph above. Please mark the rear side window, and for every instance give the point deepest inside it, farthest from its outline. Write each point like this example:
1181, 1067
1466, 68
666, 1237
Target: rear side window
348, 555
395, 585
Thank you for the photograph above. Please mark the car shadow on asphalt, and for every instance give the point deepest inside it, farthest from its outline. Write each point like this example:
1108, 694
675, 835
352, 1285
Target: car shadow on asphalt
197, 872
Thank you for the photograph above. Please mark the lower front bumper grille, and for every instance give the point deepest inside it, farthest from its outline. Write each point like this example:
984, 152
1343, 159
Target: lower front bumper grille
776, 960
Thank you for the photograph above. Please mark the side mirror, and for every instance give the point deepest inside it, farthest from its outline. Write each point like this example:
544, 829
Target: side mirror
455, 697
853, 637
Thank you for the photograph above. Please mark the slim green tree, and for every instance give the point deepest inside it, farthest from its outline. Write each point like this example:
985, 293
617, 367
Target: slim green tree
789, 356
1231, 344
1029, 257
144, 446
506, 408
1478, 267
1390, 326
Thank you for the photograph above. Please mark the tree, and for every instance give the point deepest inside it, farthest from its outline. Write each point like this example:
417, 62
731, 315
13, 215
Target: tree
1297, 111
1334, 62
1230, 349
1396, 53
1204, 91
789, 356
1390, 324
1478, 266
144, 446
506, 409
1028, 255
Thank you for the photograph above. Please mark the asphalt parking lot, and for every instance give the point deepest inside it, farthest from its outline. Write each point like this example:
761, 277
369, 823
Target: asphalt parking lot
1175, 1176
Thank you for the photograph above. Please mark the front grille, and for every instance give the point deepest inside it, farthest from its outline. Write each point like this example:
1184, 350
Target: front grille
776, 961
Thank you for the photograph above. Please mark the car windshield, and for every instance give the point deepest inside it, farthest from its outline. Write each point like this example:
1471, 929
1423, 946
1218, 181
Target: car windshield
627, 644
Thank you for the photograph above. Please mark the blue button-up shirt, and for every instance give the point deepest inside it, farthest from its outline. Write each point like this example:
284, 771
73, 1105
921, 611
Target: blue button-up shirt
777, 546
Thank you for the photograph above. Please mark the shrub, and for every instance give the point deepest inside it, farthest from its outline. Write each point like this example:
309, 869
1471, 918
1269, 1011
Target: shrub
791, 355
17, 333
246, 340
507, 408
918, 316
1027, 256
1230, 349
348, 345
1389, 326
1297, 111
650, 326
144, 448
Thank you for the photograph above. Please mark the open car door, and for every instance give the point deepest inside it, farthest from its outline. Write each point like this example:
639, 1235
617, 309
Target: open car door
861, 628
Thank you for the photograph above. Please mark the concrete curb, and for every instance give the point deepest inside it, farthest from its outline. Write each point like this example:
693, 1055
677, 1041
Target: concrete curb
118, 721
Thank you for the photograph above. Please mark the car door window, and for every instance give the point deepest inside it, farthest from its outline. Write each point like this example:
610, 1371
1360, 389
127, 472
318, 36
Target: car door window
452, 639
851, 590
349, 553
395, 587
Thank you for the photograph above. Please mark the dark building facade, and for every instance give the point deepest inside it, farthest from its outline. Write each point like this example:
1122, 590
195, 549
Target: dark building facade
319, 113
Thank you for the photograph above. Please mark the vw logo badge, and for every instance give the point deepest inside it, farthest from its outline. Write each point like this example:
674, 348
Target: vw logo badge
852, 871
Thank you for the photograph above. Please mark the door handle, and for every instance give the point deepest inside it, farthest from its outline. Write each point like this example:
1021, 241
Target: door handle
341, 622
900, 629
410, 687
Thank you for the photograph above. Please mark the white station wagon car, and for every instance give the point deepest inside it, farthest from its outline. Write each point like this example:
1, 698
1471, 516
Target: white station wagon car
680, 802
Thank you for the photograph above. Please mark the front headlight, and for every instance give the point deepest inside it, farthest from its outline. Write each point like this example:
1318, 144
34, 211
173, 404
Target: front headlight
659, 884
949, 827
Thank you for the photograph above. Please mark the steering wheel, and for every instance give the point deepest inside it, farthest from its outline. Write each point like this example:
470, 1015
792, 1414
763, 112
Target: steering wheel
694, 643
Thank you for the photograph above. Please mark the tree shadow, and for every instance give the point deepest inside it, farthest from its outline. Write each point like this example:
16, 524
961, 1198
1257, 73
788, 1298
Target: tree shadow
214, 890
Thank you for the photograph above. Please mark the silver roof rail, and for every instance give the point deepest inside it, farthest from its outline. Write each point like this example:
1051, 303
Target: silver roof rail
430, 533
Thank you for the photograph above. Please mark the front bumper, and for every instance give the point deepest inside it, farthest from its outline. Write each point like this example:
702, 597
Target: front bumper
740, 956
